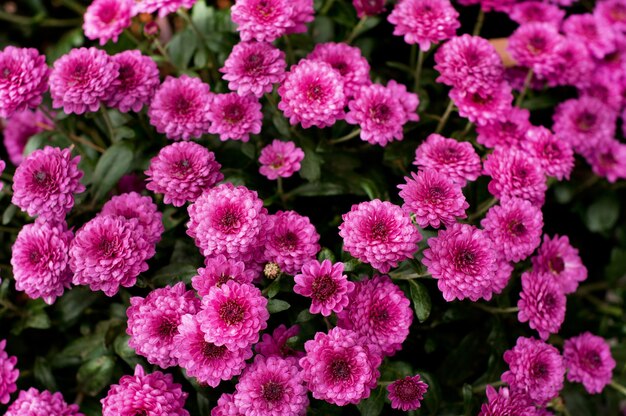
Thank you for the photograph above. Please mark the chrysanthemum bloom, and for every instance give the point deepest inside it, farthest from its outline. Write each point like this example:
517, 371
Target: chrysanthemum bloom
233, 315
19, 129
508, 132
339, 367
272, 386
235, 117
588, 30
573, 64
536, 11
535, 368
276, 344
424, 22
470, 64
368, 7
225, 406
182, 172
490, 5
409, 101
503, 276
505, 402
133, 205
81, 80
280, 159
312, 94
227, 220
608, 160
303, 13
107, 19
180, 108
589, 361
137, 81
348, 61
407, 393
612, 13
433, 198
533, 45
145, 394
219, 270
602, 87
32, 402
24, 79
542, 303
263, 20
456, 160
131, 182
109, 252
559, 259
207, 362
8, 374
164, 7
41, 261
153, 322
2, 166
325, 284
515, 173
380, 312
379, 233
44, 184
555, 156
484, 109
254, 68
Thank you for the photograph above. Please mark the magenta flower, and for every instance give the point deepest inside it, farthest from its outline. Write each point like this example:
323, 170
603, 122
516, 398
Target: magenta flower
409, 101
508, 132
348, 61
542, 303
280, 159
424, 22
536, 11
557, 258
503, 276
8, 374
407, 393
133, 205
275, 345
534, 45
325, 284
164, 7
572, 64
24, 79
379, 233
2, 166
555, 156
219, 270
44, 184
137, 82
32, 402
589, 361
368, 7
485, 109
608, 160
263, 20
131, 182
107, 19
506, 402
611, 13
225, 406
457, 160
588, 30
19, 129
235, 117
303, 13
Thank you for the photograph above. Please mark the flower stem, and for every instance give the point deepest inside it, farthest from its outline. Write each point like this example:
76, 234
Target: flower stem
74, 138
482, 208
107, 123
356, 29
347, 137
418, 69
212, 64
481, 387
527, 81
493, 310
617, 386
280, 191
479, 22
445, 116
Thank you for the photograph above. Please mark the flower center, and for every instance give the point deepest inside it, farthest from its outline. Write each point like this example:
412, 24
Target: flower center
42, 178
212, 351
107, 13
287, 241
233, 113
556, 264
379, 231
272, 391
536, 45
107, 247
539, 370
407, 390
517, 228
379, 315
341, 67
591, 359
34, 257
323, 288
380, 113
315, 92
140, 412
340, 370
182, 105
223, 278
231, 312
436, 194
167, 328
549, 301
252, 63
586, 121
229, 221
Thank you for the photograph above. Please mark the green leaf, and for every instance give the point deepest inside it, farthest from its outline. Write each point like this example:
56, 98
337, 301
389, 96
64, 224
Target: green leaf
36, 141
174, 273
304, 316
277, 305
273, 288
95, 375
182, 47
602, 214
373, 405
311, 166
126, 353
113, 164
74, 303
43, 374
421, 300
326, 254
8, 214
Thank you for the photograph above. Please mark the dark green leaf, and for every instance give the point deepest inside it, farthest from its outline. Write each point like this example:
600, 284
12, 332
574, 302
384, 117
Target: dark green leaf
95, 375
373, 405
8, 214
277, 305
43, 374
311, 166
326, 254
113, 164
74, 302
602, 214
174, 273
182, 47
421, 300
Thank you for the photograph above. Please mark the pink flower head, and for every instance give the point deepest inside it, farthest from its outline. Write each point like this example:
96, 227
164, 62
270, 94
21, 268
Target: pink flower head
536, 11
148, 394
272, 386
409, 101
44, 184
19, 129
8, 374
325, 284
131, 182
276, 344
235, 117
611, 13
608, 160
182, 172
180, 108
484, 109
535, 368
207, 362
542, 303
303, 13
219, 270
503, 275
339, 368
379, 312
533, 45
506, 402
557, 258
133, 205
407, 393
41, 261
81, 80
424, 22
379, 233
490, 5
254, 68
280, 159
137, 82
589, 361
368, 7
32, 402
24, 79
312, 94
508, 132
2, 166
457, 160
164, 7
555, 156
107, 19
225, 406
602, 86
233, 315
348, 61
263, 20
588, 30
433, 198
573, 64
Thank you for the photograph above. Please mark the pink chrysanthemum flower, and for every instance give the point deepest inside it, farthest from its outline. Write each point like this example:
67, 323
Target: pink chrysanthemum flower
254, 68
490, 5
41, 261
555, 156
133, 205
145, 394
312, 94
207, 362
19, 129
433, 198
227, 220
24, 79
379, 312
107, 19
508, 132
325, 284
535, 368
515, 173
303, 13
514, 226
368, 7
81, 80
608, 160
409, 101
8, 374
339, 367
180, 108
348, 61
272, 386
612, 13
219, 270
109, 252
456, 160
32, 402
484, 109
463, 260
557, 258
573, 64
263, 20
137, 81
588, 30
182, 172
164, 7
235, 117
536, 11
589, 361
44, 184
506, 402
225, 406
424, 22
379, 233
407, 393
602, 86
533, 45
470, 64
503, 276
280, 159
276, 344
233, 315
542, 303
131, 182
153, 322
